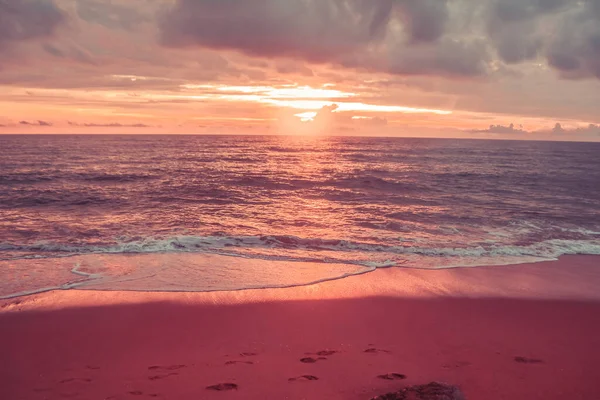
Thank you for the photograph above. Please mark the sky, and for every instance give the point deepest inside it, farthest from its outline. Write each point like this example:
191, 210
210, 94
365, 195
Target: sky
508, 69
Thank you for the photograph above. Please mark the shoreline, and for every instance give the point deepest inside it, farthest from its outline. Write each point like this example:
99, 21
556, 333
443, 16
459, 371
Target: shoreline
510, 280
81, 286
520, 332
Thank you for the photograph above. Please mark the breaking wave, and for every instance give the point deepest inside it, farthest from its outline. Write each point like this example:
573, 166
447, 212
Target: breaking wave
292, 248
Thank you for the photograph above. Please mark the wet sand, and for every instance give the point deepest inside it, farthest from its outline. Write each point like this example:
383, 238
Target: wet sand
513, 332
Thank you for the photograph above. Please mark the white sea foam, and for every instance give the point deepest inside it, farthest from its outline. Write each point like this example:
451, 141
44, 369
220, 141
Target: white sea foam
173, 272
190, 263
302, 249
380, 264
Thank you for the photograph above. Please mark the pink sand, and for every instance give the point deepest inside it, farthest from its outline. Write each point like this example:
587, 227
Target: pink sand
461, 326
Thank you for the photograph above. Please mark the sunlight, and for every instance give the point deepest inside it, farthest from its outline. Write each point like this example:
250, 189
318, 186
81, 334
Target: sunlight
306, 92
301, 98
380, 108
307, 116
282, 92
351, 106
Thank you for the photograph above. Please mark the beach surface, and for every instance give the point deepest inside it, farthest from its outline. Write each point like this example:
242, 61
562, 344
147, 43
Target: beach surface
521, 332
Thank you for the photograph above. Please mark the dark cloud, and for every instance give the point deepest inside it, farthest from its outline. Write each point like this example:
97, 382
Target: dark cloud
405, 37
36, 123
501, 129
348, 32
53, 50
313, 30
566, 33
517, 43
28, 19
110, 14
425, 20
70, 52
575, 49
448, 57
512, 25
558, 128
110, 125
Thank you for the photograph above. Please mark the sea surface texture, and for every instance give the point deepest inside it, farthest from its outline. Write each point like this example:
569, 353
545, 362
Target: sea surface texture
194, 213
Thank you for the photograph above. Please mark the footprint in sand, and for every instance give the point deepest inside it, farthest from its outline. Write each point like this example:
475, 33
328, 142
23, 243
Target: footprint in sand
166, 368
525, 360
432, 390
459, 364
304, 378
157, 377
223, 386
233, 362
327, 352
392, 377
373, 350
310, 360
68, 380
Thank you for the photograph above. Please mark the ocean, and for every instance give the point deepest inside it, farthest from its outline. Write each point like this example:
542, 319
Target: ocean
201, 213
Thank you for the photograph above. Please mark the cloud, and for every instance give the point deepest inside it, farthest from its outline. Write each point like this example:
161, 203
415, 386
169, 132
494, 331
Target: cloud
293, 67
558, 129
110, 125
312, 30
330, 119
591, 129
37, 123
369, 121
70, 52
565, 33
575, 49
110, 15
501, 129
396, 36
22, 20
424, 20
406, 37
513, 26
324, 117
448, 57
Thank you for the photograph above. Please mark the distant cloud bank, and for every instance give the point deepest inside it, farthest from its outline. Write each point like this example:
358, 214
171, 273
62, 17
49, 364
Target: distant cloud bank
36, 123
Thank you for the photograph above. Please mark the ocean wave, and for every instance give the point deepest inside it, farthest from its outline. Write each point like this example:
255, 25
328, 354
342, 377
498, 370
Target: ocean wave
295, 248
23, 178
55, 198
116, 178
